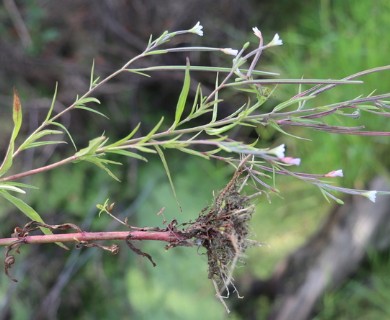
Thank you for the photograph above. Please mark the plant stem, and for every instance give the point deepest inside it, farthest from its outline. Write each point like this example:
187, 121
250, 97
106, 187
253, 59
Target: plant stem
167, 236
39, 170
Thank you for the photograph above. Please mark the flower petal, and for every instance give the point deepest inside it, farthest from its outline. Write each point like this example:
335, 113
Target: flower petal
232, 52
335, 173
370, 195
257, 32
197, 29
290, 160
278, 151
276, 41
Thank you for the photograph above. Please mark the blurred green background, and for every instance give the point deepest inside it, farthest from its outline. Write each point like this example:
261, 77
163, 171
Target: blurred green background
322, 39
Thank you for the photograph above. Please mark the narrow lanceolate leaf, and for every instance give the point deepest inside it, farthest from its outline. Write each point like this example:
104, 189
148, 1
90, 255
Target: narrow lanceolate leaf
152, 132
144, 149
66, 131
290, 102
102, 164
7, 162
194, 153
125, 139
154, 52
218, 131
165, 164
83, 101
44, 143
197, 95
126, 154
11, 188
215, 107
52, 103
278, 128
181, 103
22, 206
17, 120
93, 145
138, 72
91, 77
28, 211
92, 110
19, 185
16, 114
27, 143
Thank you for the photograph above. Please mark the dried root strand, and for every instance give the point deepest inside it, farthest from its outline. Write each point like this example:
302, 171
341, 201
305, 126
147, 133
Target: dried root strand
222, 229
138, 251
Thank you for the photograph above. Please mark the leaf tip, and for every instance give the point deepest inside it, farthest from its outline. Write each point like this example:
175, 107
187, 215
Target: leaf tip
17, 106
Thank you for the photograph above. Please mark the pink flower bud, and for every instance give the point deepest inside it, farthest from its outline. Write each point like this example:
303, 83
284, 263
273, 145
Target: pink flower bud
335, 173
290, 160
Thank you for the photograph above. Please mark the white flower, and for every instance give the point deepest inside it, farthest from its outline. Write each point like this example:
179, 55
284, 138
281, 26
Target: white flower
230, 51
289, 160
276, 41
335, 173
197, 29
370, 195
278, 151
257, 32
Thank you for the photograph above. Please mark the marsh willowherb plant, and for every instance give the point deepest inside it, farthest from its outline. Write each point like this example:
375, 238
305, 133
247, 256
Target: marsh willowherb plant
222, 228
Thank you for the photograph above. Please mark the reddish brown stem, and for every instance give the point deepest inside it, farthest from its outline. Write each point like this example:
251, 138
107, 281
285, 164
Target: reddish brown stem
167, 236
39, 170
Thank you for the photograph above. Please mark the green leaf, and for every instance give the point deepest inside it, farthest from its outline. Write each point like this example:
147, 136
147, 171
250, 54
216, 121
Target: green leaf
161, 39
278, 128
181, 103
215, 105
101, 163
138, 72
29, 212
20, 185
22, 206
155, 52
125, 139
290, 102
43, 143
194, 153
218, 131
81, 102
165, 164
17, 120
152, 132
327, 194
27, 143
253, 108
52, 103
127, 153
7, 162
66, 131
144, 149
92, 82
95, 82
197, 95
93, 145
235, 113
92, 110
150, 41
16, 115
11, 188
85, 100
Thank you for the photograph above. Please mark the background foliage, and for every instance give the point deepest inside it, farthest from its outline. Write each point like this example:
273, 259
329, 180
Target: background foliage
323, 39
